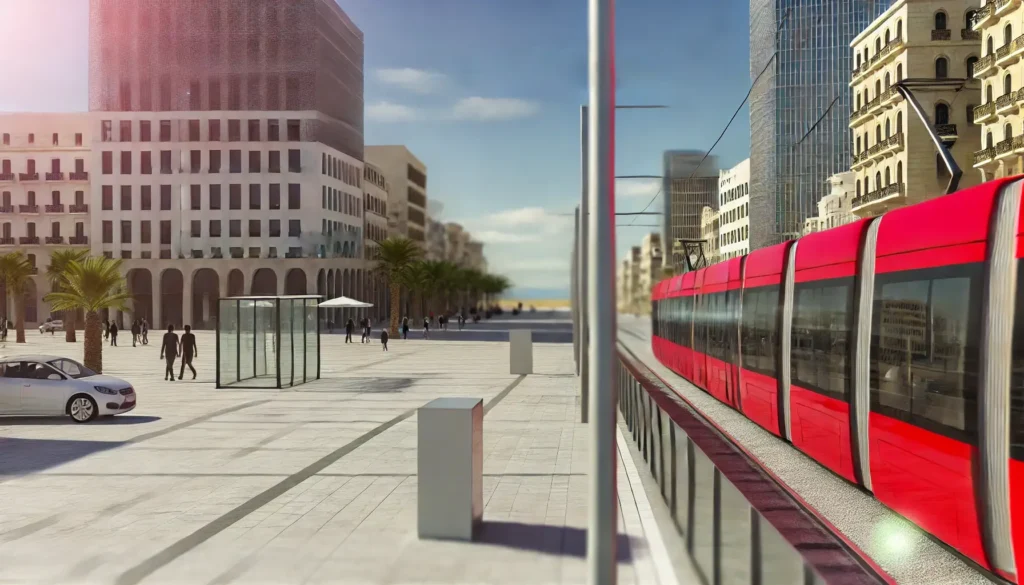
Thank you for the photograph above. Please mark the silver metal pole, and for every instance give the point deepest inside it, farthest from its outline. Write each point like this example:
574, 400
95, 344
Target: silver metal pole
574, 291
602, 531
584, 269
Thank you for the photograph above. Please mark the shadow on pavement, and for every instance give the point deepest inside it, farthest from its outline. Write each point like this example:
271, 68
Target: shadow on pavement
24, 456
553, 540
39, 421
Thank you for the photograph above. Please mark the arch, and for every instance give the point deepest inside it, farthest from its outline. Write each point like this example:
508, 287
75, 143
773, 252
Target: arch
888, 128
941, 113
236, 283
1007, 131
888, 177
887, 37
969, 18
858, 145
989, 44
899, 29
878, 133
888, 81
988, 93
941, 68
858, 60
1007, 84
878, 45
878, 180
940, 20
172, 287
140, 285
858, 188
205, 298
988, 140
337, 292
264, 283
30, 301
899, 72
295, 282
332, 314
321, 282
972, 62
878, 87
1007, 34
899, 122
899, 172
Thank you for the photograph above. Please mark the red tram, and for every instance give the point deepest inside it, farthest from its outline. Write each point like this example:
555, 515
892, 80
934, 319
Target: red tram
890, 350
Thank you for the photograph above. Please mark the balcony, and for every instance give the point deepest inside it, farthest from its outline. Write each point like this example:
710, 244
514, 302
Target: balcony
28, 209
888, 95
947, 133
28, 176
55, 208
79, 208
6, 177
970, 35
877, 60
7, 241
7, 209
58, 176
941, 34
54, 239
28, 240
985, 66
83, 176
1004, 6
78, 240
858, 116
983, 157
1010, 53
983, 16
984, 112
879, 200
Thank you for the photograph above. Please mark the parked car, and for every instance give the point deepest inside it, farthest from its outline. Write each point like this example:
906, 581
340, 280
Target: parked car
46, 385
51, 325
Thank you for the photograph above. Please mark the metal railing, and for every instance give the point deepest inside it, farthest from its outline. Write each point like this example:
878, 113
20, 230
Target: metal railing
738, 523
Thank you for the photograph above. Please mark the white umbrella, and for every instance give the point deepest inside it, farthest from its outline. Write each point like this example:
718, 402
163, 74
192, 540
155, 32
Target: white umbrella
344, 303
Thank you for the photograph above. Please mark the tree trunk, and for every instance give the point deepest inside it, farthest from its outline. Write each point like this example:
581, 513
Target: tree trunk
69, 326
93, 347
396, 305
19, 317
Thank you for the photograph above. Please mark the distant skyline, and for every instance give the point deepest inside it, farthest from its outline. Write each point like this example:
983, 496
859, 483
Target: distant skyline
486, 93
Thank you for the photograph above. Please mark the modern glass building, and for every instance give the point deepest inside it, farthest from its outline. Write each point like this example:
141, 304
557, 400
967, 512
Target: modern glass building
800, 107
689, 183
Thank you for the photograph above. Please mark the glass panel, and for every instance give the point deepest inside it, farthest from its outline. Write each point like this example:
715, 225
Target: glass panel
285, 329
228, 342
298, 341
266, 353
312, 340
247, 340
822, 320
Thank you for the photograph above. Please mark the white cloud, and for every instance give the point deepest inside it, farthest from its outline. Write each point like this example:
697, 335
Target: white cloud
637, 187
415, 80
489, 109
500, 237
390, 112
536, 219
539, 265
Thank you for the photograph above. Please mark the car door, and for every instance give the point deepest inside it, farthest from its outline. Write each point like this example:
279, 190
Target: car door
11, 401
41, 395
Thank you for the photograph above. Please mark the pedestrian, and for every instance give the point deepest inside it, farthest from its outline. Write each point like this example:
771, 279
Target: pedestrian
113, 333
189, 349
426, 328
136, 331
145, 331
169, 351
348, 331
384, 338
362, 330
106, 328
368, 329
405, 328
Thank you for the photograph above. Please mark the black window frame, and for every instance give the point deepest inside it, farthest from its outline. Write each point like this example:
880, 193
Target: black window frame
761, 319
797, 377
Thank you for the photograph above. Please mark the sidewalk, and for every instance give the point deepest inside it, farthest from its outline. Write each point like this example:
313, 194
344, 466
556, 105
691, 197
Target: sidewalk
315, 485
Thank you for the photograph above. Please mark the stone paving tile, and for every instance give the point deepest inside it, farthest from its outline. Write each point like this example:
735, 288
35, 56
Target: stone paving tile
87, 503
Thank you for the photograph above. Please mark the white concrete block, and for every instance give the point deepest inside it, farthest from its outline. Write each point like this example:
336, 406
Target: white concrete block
450, 449
520, 351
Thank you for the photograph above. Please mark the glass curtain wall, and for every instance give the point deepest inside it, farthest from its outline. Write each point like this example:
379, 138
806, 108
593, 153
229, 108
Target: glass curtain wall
268, 342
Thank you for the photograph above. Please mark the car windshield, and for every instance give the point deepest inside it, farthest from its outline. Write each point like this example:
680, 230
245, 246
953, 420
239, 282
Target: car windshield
72, 368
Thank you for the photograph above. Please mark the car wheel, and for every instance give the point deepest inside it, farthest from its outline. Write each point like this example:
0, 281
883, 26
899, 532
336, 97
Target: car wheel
82, 408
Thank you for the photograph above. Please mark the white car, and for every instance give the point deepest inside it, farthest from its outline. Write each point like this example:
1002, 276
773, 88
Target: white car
52, 325
46, 385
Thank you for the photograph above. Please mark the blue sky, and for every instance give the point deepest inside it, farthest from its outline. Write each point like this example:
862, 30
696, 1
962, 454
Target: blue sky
487, 94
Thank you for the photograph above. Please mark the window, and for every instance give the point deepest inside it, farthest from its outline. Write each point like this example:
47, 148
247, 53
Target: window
165, 232
1007, 84
254, 130
126, 232
941, 68
214, 228
254, 228
214, 128
78, 139
165, 197
294, 228
972, 62
214, 197
146, 162
126, 131
165, 162
925, 344
235, 228
126, 163
165, 130
941, 113
988, 140
294, 131
214, 161
126, 198
293, 196
274, 161
31, 138
234, 130
1007, 34
234, 197
254, 161
107, 198
193, 131
108, 232
235, 161
195, 198
275, 197
294, 161
273, 130
107, 163
145, 198
195, 159
254, 197
822, 319
196, 228
7, 139
145, 232
940, 21
899, 122
274, 230
145, 131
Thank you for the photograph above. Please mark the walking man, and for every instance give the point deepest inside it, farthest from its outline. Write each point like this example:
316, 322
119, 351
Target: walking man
384, 338
189, 349
348, 331
169, 351
113, 333
426, 328
145, 331
405, 328
136, 331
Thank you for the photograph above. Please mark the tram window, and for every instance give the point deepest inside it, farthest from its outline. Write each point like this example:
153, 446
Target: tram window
1017, 373
822, 319
760, 329
685, 318
700, 324
925, 330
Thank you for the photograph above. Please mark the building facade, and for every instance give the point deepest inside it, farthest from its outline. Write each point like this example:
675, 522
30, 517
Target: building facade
44, 194
999, 26
227, 161
689, 183
895, 159
437, 240
650, 269
734, 211
407, 177
799, 106
710, 233
836, 208
375, 211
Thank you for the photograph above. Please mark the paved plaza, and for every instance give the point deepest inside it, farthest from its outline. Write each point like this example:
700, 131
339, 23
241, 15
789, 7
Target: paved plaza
311, 485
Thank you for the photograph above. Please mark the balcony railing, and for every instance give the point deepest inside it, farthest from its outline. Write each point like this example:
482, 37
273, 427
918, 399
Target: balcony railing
984, 111
7, 241
983, 156
970, 35
984, 64
28, 208
1004, 146
888, 48
83, 176
877, 194
6, 177
55, 208
54, 239
79, 208
6, 209
28, 176
78, 240
28, 240
946, 131
982, 15
941, 34
58, 176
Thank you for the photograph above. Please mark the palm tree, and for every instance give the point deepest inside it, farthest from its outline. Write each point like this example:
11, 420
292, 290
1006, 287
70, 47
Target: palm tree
55, 272
394, 256
16, 272
417, 280
92, 284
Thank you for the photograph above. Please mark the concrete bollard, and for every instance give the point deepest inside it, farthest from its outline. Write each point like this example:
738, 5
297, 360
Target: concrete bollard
520, 351
450, 467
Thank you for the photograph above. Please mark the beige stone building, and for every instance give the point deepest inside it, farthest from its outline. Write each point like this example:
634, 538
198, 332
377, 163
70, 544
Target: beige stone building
895, 160
649, 272
709, 233
629, 281
999, 26
407, 199
836, 208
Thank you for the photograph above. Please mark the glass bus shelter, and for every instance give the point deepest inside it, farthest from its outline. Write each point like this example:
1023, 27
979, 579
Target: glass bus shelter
268, 342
